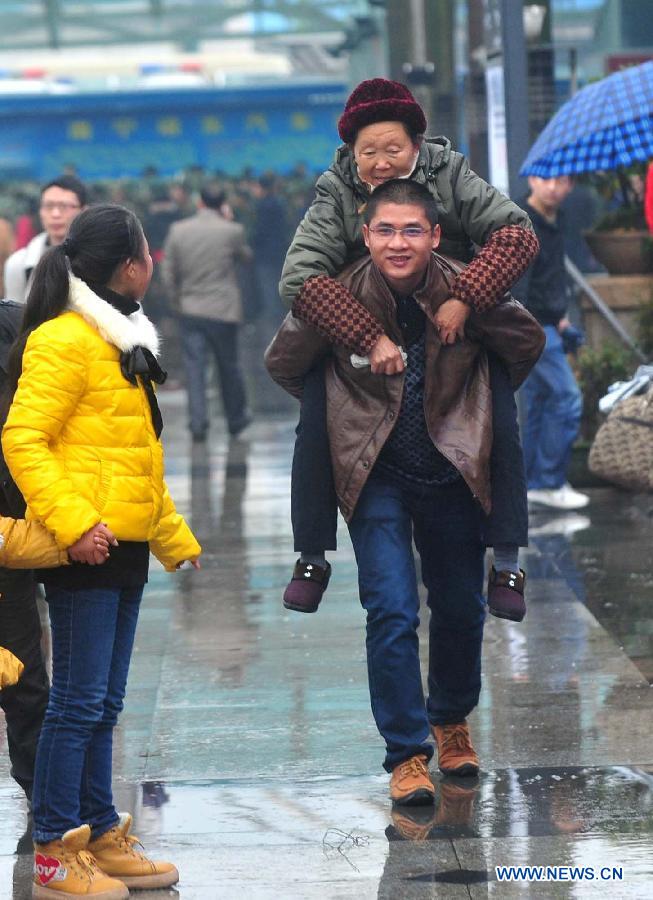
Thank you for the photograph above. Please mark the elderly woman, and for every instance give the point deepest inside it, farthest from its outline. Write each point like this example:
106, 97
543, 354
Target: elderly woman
382, 127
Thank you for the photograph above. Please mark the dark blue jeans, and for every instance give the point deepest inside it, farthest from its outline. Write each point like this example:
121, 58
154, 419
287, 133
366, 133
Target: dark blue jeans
92, 639
553, 409
314, 509
446, 525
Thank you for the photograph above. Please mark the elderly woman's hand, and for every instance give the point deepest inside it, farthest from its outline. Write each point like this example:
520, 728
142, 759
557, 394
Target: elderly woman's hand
450, 320
385, 357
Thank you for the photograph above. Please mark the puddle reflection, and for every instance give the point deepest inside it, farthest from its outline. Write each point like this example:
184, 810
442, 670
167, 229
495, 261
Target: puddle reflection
570, 815
551, 553
216, 517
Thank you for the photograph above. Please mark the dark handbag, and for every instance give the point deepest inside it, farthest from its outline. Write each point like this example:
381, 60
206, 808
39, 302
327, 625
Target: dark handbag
622, 451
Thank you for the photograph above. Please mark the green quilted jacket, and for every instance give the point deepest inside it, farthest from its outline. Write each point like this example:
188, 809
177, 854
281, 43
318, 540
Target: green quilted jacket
329, 237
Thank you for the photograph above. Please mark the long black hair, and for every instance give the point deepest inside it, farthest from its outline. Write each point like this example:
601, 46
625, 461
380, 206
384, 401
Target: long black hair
99, 240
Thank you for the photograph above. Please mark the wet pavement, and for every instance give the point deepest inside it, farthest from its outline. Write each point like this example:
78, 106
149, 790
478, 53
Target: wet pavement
247, 751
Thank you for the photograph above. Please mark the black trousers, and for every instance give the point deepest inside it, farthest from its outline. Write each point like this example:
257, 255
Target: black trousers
199, 337
23, 703
314, 510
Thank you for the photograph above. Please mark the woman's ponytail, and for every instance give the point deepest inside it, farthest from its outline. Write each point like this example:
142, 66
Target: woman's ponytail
48, 294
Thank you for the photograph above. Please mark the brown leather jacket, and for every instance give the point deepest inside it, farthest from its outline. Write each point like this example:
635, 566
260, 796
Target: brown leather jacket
362, 408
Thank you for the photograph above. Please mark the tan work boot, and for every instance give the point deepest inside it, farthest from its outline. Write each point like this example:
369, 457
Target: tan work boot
410, 783
64, 869
117, 855
456, 756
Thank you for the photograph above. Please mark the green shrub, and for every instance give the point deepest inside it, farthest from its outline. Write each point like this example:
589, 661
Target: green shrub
596, 371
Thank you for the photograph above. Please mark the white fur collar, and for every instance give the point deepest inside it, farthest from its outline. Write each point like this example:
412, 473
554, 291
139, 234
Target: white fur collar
124, 332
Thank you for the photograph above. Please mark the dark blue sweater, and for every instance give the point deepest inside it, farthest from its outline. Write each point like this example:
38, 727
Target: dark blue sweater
409, 454
543, 289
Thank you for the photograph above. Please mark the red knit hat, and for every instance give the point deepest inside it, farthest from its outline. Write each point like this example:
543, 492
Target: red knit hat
380, 100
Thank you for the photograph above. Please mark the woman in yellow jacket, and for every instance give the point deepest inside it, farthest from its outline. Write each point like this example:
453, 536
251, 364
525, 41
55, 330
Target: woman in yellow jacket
82, 441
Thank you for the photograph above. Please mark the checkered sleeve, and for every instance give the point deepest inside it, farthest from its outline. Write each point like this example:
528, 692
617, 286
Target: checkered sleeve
332, 309
498, 265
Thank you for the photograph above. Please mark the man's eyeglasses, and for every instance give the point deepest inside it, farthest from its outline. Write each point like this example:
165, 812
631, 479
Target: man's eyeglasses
411, 232
51, 205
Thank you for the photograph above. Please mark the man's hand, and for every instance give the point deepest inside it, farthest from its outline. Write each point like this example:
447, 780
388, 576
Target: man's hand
385, 357
450, 321
563, 324
93, 546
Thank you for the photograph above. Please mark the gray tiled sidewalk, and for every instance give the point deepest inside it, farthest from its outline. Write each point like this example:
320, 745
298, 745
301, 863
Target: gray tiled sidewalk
248, 754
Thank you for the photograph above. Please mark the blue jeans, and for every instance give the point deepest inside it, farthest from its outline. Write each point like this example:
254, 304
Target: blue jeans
92, 639
199, 337
446, 525
553, 410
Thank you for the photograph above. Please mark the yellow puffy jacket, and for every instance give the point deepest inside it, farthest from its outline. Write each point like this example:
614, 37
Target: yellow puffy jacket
79, 439
28, 545
11, 668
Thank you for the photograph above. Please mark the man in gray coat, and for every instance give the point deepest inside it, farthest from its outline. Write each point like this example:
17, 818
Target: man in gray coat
200, 261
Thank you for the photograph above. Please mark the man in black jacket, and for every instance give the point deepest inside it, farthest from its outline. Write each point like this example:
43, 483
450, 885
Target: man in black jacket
553, 399
20, 626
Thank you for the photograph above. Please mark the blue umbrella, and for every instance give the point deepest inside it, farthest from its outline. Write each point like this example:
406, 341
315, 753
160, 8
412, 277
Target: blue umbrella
605, 125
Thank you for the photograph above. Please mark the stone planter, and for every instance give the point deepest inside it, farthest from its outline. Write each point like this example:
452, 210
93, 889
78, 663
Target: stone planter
622, 252
625, 295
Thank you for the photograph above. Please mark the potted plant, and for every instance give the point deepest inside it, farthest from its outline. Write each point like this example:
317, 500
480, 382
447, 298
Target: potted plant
620, 240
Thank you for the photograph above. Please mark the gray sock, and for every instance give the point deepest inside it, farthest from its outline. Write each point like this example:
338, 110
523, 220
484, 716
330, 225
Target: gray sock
316, 559
506, 558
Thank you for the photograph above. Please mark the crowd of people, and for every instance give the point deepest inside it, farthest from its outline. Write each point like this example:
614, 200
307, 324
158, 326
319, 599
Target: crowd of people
159, 201
405, 350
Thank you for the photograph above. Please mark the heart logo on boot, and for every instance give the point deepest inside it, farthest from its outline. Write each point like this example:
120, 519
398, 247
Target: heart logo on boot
47, 869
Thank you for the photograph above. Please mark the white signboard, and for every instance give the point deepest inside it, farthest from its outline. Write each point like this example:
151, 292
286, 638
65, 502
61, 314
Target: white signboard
496, 127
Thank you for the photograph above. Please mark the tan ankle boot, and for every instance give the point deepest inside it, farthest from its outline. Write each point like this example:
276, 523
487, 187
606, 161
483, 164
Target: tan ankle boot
65, 870
117, 854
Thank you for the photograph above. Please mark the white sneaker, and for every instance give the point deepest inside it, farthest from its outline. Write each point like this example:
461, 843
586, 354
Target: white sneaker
564, 497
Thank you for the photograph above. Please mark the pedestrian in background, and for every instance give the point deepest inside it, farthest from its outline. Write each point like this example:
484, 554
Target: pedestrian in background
82, 441
26, 225
551, 394
6, 248
271, 241
648, 197
200, 260
23, 704
61, 200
